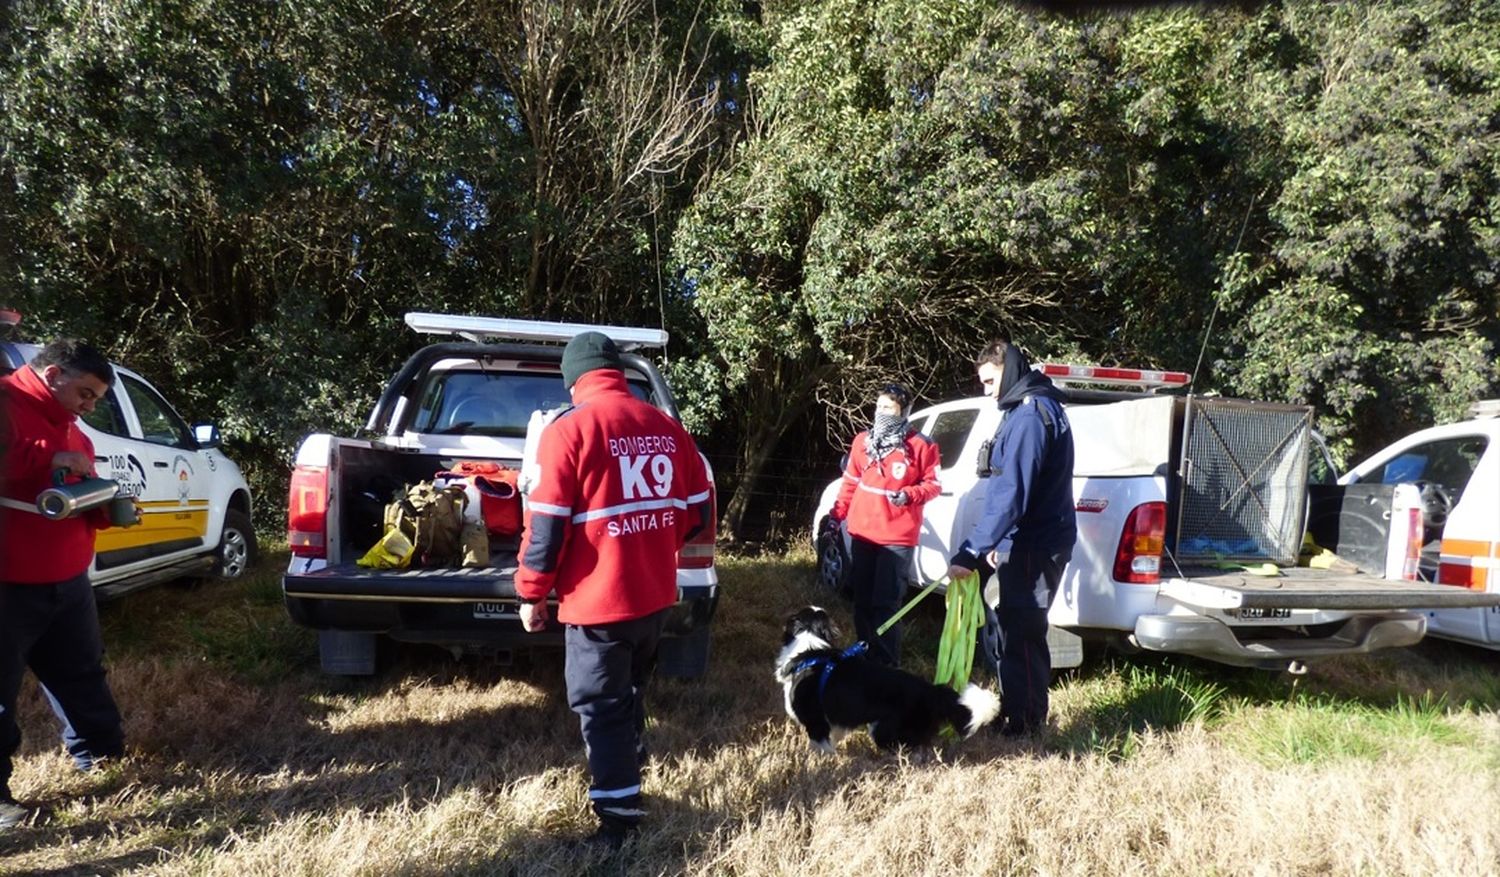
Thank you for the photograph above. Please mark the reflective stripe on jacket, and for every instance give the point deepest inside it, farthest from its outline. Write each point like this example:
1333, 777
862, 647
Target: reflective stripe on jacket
33, 428
864, 497
620, 489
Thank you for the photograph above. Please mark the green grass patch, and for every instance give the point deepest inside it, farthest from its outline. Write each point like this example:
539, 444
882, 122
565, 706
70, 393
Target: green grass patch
252, 646
241, 626
1121, 704
1319, 729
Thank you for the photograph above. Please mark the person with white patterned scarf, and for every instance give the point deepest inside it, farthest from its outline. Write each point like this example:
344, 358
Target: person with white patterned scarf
891, 472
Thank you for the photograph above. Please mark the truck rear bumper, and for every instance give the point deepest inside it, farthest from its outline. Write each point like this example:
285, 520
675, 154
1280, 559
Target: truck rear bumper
1274, 648
470, 612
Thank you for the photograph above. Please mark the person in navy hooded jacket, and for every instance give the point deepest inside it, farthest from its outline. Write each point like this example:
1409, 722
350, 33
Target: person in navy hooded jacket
1027, 528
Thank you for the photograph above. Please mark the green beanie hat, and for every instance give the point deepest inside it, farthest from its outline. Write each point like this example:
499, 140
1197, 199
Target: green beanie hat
586, 352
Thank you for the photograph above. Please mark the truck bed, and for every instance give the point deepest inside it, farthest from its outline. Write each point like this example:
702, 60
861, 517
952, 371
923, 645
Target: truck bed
1301, 588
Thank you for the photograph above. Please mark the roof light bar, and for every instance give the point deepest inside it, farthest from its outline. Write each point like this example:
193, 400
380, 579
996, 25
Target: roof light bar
478, 329
1097, 374
1485, 409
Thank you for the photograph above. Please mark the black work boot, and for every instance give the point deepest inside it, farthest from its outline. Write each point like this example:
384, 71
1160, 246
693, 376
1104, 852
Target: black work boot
613, 833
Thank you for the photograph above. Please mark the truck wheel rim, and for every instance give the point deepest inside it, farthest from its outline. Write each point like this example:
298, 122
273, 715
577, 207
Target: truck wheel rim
233, 554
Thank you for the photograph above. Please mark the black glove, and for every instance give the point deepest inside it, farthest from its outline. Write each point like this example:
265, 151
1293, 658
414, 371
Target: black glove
898, 498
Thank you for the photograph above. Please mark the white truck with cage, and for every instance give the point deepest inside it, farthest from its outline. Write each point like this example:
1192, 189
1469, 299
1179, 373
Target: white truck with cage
473, 398
1192, 512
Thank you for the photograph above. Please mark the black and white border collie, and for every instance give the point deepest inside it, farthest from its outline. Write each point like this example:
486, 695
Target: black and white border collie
832, 691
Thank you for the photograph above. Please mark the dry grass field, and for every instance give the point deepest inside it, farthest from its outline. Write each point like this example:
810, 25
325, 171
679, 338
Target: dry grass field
244, 761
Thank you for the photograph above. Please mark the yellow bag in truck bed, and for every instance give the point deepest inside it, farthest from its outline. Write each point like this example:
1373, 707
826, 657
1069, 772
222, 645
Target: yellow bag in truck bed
430, 520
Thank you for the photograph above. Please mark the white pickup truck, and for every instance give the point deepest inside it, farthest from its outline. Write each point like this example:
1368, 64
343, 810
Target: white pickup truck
474, 398
1457, 468
195, 504
1181, 501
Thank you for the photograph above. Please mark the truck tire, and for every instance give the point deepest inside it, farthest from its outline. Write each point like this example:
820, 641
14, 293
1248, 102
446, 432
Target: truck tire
684, 657
237, 549
833, 559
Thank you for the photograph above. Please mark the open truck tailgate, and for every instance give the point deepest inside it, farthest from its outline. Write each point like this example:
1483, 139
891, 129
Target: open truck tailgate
1299, 588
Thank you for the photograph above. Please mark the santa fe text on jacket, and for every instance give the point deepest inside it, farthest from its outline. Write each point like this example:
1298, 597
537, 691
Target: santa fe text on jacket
621, 489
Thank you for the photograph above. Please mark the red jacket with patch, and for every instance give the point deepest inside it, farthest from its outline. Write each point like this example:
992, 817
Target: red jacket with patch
864, 497
34, 427
621, 488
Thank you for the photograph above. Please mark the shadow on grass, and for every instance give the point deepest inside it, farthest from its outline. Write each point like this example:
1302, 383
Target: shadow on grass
218, 787
199, 780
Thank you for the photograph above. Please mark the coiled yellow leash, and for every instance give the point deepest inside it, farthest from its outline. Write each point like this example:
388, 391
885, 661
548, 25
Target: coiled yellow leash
960, 632
960, 628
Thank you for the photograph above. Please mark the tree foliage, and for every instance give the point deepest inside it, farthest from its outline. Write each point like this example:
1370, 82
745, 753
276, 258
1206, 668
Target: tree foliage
1297, 201
241, 198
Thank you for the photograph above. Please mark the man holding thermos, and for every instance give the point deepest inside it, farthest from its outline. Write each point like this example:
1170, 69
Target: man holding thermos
48, 621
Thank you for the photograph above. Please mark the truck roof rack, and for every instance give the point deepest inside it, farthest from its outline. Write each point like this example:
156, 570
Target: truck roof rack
482, 329
1098, 374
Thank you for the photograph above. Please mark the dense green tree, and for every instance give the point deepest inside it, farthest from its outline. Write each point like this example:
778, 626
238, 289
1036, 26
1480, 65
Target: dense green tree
241, 198
1295, 202
1298, 201
1372, 289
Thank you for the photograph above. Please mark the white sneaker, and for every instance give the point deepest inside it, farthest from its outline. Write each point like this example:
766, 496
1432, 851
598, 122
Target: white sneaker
12, 814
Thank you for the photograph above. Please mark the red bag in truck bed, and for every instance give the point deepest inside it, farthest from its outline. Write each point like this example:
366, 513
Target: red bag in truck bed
494, 486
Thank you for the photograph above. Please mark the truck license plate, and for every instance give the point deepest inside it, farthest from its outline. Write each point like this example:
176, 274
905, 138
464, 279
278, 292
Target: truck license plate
494, 610
1264, 613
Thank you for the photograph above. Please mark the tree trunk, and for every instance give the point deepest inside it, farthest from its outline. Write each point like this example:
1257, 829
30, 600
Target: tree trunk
775, 401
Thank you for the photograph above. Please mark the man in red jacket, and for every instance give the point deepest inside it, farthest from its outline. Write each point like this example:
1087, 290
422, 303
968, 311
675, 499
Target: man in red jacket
892, 472
620, 489
47, 617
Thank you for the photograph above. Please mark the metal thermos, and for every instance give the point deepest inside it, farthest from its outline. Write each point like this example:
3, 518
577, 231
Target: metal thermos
64, 500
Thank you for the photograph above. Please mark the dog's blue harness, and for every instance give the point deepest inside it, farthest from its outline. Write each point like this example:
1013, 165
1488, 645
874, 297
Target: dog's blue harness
828, 664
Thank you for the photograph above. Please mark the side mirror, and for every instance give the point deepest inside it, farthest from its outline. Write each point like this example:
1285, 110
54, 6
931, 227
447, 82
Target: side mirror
207, 435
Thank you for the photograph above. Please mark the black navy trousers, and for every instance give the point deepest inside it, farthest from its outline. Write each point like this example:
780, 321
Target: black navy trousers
54, 630
878, 577
1027, 582
607, 668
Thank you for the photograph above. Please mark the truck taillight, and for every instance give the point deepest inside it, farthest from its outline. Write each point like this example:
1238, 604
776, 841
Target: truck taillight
1138, 559
698, 553
1412, 563
307, 512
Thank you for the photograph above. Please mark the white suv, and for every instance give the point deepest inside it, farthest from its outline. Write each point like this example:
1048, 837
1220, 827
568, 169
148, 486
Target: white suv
195, 504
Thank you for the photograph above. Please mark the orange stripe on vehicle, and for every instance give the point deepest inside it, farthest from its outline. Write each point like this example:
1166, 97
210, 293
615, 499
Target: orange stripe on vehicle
1467, 563
1467, 547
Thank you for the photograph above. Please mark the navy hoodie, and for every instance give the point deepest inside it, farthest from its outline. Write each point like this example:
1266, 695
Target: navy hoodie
1029, 501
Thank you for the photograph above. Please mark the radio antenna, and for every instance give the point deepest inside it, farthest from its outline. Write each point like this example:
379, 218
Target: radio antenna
1209, 330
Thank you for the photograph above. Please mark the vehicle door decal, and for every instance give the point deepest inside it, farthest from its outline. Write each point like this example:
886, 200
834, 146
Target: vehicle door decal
129, 473
184, 472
